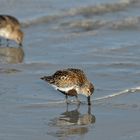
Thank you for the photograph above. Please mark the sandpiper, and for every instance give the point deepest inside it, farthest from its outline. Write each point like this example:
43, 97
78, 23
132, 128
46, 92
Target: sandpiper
10, 29
71, 82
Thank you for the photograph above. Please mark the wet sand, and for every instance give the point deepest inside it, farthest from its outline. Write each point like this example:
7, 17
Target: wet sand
100, 37
30, 109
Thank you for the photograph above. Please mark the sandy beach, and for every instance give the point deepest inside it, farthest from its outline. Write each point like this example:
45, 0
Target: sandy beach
99, 37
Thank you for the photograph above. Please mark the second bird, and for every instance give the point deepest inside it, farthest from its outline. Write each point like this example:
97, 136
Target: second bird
71, 82
10, 29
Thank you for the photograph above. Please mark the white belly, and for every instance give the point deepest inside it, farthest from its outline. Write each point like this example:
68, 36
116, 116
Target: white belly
66, 89
4, 33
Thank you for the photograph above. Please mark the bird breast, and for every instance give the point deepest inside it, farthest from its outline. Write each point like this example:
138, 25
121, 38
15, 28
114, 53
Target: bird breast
4, 33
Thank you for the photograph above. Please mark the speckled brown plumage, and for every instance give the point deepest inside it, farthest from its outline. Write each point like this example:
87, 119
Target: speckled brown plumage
10, 28
71, 82
9, 20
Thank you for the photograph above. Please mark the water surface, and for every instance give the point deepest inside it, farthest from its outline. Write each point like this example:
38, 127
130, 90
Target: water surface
100, 37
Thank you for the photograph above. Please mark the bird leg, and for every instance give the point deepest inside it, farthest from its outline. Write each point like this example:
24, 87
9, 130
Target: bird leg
89, 109
7, 42
78, 101
0, 42
88, 99
66, 99
66, 96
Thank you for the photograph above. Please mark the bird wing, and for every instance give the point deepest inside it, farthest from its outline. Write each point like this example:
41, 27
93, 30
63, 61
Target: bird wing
81, 77
2, 21
65, 78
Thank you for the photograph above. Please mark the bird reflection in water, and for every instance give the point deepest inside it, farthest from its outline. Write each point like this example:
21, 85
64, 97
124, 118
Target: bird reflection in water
11, 55
71, 123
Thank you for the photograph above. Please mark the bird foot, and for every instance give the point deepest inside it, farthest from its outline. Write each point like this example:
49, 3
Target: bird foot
67, 101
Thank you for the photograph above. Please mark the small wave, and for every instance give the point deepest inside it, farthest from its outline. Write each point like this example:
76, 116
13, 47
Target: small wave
40, 20
119, 65
9, 71
44, 105
101, 8
57, 103
126, 91
127, 23
85, 24
88, 25
85, 11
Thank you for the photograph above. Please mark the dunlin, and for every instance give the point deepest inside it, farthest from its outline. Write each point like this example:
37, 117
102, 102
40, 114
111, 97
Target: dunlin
10, 29
71, 82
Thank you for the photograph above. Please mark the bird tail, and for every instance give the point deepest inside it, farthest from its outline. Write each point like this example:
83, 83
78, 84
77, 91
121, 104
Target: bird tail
48, 79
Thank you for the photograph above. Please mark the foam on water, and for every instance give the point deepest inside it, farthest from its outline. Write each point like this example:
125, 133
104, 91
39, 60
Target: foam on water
126, 91
101, 8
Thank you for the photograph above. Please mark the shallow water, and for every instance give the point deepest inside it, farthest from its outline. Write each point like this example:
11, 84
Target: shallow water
100, 37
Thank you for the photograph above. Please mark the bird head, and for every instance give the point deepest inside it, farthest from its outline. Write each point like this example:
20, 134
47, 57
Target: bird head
18, 36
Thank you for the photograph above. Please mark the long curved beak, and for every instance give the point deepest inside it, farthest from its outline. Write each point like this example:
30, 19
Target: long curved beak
88, 99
